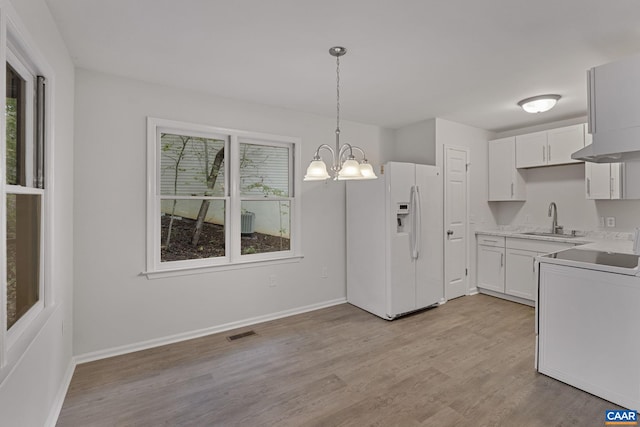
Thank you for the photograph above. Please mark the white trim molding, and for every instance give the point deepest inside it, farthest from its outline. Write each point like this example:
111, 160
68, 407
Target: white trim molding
171, 339
56, 407
230, 195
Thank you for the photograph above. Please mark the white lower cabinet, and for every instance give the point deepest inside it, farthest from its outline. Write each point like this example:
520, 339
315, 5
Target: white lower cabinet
506, 266
520, 278
491, 268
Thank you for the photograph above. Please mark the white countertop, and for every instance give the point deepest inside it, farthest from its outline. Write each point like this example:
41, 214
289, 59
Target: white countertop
521, 235
598, 241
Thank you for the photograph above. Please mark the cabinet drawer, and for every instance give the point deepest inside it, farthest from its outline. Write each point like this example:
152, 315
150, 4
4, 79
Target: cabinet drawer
536, 245
491, 240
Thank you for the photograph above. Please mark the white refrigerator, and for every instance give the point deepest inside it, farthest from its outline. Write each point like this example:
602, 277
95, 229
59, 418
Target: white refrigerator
394, 240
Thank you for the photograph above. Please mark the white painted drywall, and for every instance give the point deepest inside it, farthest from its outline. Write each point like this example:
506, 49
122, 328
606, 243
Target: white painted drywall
116, 306
416, 143
31, 389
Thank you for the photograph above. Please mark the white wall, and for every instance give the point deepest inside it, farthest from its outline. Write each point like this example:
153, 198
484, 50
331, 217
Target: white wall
565, 186
416, 143
30, 391
114, 305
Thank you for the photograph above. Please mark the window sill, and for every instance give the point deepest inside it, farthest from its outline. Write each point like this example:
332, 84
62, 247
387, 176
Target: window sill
186, 271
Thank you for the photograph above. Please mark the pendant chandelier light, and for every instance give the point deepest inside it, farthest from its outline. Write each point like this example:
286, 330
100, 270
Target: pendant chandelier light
344, 164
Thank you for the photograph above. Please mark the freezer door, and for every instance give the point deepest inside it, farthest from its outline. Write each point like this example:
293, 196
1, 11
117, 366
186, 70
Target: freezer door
401, 290
430, 263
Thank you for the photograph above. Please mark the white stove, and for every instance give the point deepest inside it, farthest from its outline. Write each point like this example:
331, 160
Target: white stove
611, 262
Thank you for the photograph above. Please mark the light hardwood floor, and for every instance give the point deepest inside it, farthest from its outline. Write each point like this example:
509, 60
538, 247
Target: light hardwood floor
466, 363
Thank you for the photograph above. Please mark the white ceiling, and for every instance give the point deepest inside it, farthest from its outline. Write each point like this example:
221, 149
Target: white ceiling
468, 61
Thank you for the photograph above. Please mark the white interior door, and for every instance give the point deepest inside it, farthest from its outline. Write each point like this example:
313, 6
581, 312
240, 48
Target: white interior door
455, 221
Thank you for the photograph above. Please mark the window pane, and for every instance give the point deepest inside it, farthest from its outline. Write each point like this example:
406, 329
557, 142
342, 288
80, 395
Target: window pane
265, 226
23, 254
264, 170
179, 219
15, 128
191, 166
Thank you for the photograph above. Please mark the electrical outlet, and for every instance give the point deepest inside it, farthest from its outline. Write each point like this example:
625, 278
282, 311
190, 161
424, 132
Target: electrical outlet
611, 221
601, 221
324, 272
272, 281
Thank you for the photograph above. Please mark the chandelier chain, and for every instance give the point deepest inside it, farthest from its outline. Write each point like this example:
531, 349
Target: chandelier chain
337, 94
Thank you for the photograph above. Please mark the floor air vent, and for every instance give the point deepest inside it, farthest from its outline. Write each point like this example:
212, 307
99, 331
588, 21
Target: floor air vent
241, 335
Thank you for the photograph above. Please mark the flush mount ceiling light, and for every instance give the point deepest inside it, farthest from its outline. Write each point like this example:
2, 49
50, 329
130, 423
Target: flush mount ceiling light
539, 104
344, 164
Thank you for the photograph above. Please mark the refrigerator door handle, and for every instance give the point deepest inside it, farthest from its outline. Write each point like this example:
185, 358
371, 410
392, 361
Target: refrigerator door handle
412, 236
418, 215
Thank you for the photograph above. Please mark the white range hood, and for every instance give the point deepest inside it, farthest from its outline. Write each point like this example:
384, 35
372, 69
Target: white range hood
587, 154
613, 112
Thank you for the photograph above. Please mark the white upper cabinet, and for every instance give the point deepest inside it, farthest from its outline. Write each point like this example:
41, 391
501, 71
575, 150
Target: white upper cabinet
563, 142
614, 110
505, 181
602, 180
551, 147
531, 150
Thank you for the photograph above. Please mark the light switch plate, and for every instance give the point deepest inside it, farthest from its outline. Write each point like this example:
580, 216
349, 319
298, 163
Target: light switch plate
601, 221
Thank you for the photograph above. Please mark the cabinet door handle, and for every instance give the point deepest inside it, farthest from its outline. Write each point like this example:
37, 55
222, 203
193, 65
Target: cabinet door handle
501, 260
544, 157
589, 187
549, 153
533, 264
591, 110
512, 189
611, 188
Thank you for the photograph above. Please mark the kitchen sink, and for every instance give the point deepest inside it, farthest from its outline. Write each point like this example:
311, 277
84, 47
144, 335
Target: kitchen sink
540, 233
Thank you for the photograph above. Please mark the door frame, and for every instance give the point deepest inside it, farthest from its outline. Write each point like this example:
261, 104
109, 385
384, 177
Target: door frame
445, 174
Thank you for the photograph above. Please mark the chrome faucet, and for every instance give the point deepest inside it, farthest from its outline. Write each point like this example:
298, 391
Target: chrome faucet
555, 228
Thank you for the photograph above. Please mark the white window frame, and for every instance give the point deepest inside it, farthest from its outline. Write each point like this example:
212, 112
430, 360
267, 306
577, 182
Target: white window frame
17, 49
233, 257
